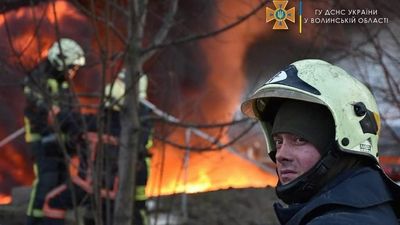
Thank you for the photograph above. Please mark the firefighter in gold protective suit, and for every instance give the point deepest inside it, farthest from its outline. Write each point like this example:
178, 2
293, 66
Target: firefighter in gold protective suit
60, 199
50, 119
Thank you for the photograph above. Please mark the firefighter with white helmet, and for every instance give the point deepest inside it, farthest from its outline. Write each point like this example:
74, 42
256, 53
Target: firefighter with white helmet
115, 91
59, 200
50, 106
115, 96
322, 127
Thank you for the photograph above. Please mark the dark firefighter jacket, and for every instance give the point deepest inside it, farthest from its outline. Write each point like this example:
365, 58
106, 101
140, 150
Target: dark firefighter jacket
358, 197
45, 87
112, 127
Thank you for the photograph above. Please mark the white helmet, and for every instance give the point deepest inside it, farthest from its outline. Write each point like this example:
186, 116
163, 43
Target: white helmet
351, 104
65, 53
143, 84
115, 92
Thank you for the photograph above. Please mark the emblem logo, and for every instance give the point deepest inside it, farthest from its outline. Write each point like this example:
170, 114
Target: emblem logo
280, 14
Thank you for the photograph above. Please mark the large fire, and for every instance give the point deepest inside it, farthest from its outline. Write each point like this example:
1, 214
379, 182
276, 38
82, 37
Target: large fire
204, 172
173, 170
215, 170
170, 173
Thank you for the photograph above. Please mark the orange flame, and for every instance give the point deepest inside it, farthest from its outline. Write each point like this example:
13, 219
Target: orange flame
219, 169
208, 171
5, 199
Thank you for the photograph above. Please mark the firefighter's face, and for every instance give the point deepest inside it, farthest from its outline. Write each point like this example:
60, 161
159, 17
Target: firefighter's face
294, 156
71, 72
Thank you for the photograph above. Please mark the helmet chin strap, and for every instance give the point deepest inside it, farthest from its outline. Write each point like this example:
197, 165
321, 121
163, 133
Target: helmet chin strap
307, 185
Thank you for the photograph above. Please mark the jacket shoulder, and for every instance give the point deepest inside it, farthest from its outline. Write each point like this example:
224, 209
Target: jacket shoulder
39, 73
361, 197
341, 215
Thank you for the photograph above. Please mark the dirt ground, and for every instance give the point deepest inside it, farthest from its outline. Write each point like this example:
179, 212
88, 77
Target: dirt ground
249, 206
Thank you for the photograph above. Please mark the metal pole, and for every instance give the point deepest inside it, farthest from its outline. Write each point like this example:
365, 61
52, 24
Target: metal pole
207, 137
186, 159
12, 136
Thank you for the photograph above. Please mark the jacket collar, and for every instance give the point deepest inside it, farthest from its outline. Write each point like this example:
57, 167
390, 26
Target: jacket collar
359, 188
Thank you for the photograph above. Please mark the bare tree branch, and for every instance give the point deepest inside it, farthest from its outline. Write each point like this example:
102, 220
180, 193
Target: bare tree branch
164, 29
197, 37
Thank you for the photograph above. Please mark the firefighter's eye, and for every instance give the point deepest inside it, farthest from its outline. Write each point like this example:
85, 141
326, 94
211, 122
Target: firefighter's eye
300, 141
278, 141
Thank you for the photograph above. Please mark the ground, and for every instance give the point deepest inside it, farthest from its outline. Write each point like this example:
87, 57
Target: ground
248, 206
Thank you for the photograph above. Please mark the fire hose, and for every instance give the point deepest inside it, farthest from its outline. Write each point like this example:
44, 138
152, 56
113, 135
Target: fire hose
12, 136
171, 118
207, 137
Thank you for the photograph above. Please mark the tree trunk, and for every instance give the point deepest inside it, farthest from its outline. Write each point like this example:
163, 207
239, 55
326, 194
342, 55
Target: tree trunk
129, 142
129, 138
